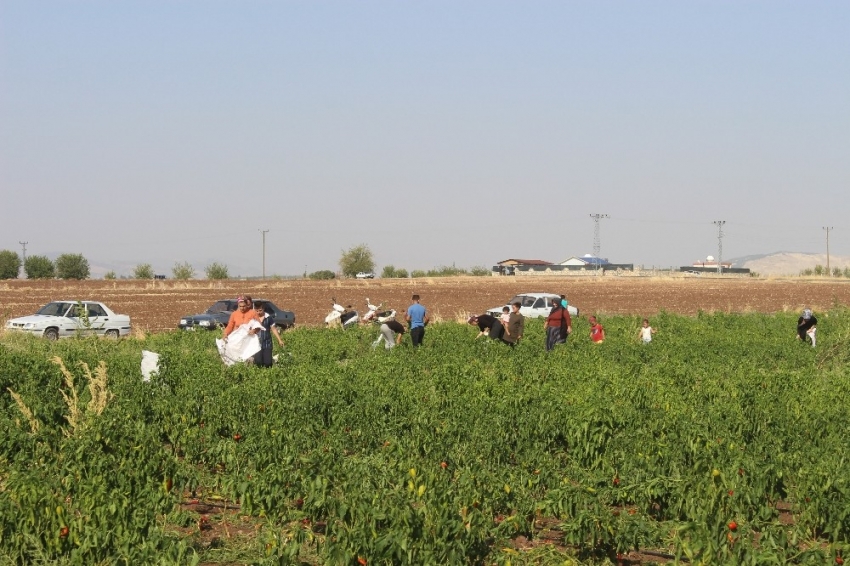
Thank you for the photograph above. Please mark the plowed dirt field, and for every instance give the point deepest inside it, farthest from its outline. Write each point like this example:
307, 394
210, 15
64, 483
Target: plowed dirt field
158, 305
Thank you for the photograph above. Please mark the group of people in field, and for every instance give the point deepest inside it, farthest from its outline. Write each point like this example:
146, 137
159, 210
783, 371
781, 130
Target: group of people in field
507, 328
558, 326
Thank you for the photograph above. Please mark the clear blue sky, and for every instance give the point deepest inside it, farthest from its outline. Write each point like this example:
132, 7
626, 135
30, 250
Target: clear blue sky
435, 132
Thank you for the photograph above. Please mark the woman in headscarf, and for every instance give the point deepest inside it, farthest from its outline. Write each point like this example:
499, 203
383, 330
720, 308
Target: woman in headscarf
559, 325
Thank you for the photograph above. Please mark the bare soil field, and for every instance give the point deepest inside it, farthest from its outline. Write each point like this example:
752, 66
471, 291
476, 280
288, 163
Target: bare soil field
158, 305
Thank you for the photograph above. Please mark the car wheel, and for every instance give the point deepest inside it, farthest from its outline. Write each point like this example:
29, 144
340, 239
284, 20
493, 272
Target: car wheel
113, 334
51, 334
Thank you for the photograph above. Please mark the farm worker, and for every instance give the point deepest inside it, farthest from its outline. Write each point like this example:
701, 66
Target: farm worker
515, 326
564, 302
807, 325
417, 318
392, 331
597, 332
487, 324
646, 331
559, 325
263, 358
242, 315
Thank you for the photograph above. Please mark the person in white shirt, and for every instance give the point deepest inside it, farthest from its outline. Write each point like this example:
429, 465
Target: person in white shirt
646, 331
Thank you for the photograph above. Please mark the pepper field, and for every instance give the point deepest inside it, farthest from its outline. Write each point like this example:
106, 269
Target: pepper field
724, 441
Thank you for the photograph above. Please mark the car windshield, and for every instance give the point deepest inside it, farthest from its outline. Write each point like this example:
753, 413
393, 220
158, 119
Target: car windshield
54, 309
222, 306
523, 300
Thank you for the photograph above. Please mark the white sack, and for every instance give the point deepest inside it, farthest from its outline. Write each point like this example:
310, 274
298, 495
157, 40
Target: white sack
240, 346
150, 364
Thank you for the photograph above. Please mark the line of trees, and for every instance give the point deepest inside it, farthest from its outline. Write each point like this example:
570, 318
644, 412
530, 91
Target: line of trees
822, 271
354, 260
360, 259
76, 266
66, 266
181, 271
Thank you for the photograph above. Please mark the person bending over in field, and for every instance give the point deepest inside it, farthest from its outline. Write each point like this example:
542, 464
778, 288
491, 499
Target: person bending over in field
263, 358
487, 324
807, 327
391, 334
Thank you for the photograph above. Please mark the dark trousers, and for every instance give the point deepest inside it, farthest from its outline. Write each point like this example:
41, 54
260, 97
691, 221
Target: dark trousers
554, 335
263, 358
417, 335
497, 331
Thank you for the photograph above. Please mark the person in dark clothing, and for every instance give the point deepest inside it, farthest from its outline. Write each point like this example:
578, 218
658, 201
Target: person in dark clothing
559, 325
487, 324
263, 358
391, 334
807, 326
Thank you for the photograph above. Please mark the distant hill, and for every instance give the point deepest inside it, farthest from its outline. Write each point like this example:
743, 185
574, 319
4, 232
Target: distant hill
788, 263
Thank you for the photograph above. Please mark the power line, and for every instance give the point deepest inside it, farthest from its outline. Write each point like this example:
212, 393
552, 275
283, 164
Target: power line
597, 244
23, 264
264, 232
719, 224
827, 228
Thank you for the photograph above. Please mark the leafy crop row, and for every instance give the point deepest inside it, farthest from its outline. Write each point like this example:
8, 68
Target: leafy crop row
722, 442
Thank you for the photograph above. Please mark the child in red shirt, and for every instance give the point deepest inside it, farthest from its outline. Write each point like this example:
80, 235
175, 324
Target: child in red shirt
597, 332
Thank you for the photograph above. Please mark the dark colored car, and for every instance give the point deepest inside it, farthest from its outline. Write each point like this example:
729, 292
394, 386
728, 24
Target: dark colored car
217, 316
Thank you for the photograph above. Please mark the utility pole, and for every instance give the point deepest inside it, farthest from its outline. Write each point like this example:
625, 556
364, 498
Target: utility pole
264, 252
828, 272
23, 263
597, 244
719, 224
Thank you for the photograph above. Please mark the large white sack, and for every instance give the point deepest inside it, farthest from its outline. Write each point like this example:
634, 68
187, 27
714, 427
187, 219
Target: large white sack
240, 346
150, 364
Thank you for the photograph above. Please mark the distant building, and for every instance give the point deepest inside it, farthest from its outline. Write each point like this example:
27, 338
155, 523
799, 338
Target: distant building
587, 260
710, 262
709, 265
512, 262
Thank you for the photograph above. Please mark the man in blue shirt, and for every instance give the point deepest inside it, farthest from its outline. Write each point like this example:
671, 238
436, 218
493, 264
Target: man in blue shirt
417, 319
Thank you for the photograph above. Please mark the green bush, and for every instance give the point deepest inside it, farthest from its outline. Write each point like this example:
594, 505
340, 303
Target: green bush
322, 275
183, 271
216, 271
446, 271
356, 259
72, 266
39, 267
10, 264
143, 271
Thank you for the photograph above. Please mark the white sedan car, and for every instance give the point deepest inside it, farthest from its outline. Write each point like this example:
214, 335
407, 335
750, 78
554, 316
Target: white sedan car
534, 305
61, 319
